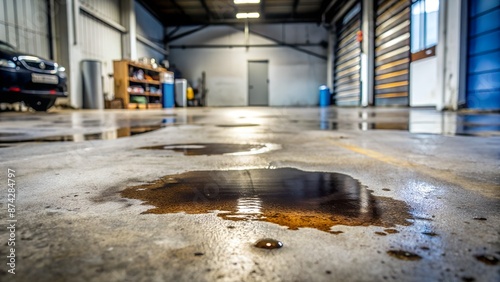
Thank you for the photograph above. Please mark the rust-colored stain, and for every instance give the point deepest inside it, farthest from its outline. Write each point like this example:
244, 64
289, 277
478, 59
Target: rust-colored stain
285, 196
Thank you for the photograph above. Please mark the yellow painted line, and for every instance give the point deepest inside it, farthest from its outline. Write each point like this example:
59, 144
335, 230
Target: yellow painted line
486, 189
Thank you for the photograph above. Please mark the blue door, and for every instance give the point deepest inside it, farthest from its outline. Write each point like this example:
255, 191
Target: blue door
483, 71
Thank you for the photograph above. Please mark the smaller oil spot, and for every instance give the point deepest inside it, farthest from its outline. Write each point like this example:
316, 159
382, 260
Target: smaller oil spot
328, 272
198, 254
336, 232
237, 125
423, 218
381, 233
468, 279
386, 189
391, 231
268, 243
200, 149
479, 218
403, 255
425, 248
231, 227
432, 234
487, 259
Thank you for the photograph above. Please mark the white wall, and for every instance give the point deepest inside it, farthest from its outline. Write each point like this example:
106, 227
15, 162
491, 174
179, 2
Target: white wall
294, 77
25, 25
423, 82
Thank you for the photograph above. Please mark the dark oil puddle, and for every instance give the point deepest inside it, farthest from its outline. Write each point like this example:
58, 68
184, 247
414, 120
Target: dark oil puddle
237, 125
104, 135
268, 243
285, 196
487, 259
199, 149
403, 255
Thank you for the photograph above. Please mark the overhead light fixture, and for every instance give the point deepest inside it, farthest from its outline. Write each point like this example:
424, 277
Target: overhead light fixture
246, 1
247, 15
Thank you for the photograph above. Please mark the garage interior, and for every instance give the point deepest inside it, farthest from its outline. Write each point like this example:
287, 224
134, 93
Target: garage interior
271, 140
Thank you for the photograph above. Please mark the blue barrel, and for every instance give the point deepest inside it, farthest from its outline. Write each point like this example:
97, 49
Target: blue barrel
324, 96
168, 95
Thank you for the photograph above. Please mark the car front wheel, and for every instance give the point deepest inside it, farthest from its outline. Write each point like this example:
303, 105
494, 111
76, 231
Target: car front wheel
41, 104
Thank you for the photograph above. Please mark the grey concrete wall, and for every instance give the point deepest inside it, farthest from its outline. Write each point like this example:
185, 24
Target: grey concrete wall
294, 77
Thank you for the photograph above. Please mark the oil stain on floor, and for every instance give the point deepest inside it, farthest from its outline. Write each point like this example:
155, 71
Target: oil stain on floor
285, 196
200, 149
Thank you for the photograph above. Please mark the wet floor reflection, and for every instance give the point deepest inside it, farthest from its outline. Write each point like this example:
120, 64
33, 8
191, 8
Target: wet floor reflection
199, 149
286, 196
427, 122
103, 135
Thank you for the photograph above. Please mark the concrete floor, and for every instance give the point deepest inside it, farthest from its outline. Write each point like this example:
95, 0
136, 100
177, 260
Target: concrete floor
75, 224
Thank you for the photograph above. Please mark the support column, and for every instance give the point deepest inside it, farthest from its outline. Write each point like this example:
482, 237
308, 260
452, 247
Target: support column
67, 46
329, 61
129, 22
367, 53
450, 54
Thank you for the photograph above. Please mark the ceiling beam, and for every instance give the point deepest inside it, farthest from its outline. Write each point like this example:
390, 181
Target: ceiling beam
207, 10
178, 7
294, 8
269, 20
173, 38
152, 11
284, 44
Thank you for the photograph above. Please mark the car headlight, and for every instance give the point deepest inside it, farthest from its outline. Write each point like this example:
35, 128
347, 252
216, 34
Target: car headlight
7, 64
61, 72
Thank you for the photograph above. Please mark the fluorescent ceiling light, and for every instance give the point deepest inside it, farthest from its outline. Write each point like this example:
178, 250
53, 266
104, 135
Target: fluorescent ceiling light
246, 1
247, 15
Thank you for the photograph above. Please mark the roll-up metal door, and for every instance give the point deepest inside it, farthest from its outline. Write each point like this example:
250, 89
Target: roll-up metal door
347, 84
392, 52
483, 70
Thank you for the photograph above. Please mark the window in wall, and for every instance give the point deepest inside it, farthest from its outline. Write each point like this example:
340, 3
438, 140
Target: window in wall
424, 28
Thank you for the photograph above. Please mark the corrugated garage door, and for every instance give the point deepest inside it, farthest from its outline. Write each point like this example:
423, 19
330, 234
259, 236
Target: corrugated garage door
25, 25
347, 85
483, 72
392, 52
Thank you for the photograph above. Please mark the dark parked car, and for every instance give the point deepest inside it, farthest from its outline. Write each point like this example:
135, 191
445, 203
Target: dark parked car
35, 81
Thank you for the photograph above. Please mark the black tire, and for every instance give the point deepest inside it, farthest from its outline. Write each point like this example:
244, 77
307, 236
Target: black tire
41, 104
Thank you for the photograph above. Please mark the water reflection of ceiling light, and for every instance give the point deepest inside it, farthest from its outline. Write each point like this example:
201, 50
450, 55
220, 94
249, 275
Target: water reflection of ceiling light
254, 15
246, 1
